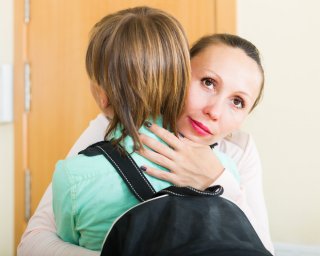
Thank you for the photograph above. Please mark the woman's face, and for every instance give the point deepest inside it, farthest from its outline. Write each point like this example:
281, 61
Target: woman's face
224, 86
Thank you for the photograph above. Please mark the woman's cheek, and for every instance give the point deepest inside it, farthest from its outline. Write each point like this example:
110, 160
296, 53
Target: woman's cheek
231, 124
182, 124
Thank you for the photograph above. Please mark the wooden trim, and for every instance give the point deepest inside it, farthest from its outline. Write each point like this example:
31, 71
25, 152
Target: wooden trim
226, 16
19, 155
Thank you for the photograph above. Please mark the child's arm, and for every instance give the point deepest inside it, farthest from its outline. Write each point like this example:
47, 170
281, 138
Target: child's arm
64, 204
41, 226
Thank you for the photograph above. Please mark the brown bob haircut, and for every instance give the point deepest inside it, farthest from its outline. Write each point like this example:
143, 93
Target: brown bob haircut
140, 57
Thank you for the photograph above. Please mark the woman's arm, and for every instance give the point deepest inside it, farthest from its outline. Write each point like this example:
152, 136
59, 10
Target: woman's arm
197, 166
41, 226
241, 148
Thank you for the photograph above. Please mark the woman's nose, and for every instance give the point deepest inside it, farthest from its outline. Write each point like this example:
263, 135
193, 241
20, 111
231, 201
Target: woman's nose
214, 110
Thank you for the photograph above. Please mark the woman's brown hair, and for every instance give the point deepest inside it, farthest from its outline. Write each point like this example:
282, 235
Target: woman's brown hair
233, 41
140, 57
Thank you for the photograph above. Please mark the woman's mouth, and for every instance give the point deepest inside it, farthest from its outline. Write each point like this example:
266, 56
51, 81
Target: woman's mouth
200, 128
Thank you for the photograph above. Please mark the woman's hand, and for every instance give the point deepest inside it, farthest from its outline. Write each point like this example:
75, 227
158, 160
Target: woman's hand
191, 164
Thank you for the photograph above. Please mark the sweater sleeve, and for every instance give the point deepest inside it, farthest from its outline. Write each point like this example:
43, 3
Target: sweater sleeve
41, 226
64, 207
248, 195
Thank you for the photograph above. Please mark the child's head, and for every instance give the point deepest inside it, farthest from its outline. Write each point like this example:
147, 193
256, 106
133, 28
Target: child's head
139, 59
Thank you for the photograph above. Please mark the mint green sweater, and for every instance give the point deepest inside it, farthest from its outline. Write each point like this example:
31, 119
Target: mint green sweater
89, 194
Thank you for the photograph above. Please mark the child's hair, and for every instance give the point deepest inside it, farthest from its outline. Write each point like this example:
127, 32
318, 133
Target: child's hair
140, 57
232, 41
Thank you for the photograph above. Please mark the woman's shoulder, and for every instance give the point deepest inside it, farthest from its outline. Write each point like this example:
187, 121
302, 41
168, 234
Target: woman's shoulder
239, 140
237, 145
93, 133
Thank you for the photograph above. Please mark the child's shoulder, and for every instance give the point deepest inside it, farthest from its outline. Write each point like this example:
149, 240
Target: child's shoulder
81, 167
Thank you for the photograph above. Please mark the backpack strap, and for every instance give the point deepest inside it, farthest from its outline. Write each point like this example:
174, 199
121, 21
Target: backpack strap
134, 177
125, 166
216, 190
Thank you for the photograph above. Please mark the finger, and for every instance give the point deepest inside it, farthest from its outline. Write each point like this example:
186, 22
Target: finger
156, 158
157, 146
164, 134
187, 141
161, 174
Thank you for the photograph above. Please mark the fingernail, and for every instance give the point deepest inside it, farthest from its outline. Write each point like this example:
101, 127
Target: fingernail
147, 124
143, 168
180, 134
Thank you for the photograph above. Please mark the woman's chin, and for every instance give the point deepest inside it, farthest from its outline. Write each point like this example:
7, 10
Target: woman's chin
201, 139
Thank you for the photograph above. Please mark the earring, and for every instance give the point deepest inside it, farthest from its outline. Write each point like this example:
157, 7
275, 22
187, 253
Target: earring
229, 136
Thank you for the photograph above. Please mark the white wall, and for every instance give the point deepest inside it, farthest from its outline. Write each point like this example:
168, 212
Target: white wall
286, 126
6, 138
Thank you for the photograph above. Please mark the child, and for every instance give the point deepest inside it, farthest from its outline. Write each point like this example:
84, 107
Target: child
139, 66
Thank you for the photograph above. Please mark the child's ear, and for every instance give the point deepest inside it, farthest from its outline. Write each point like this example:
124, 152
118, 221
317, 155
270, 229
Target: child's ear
99, 95
104, 100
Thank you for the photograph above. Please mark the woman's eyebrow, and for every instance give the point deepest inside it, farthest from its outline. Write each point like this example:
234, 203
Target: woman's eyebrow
244, 94
210, 71
216, 76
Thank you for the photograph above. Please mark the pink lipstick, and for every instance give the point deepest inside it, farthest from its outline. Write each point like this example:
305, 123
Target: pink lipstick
199, 127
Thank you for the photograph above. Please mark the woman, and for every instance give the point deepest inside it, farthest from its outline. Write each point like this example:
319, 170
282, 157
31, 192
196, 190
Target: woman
229, 61
226, 70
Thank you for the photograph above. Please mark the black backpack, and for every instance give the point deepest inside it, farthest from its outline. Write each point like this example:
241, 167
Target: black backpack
176, 220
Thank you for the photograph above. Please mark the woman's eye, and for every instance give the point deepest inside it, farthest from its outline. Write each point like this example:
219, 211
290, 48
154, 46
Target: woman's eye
208, 82
238, 103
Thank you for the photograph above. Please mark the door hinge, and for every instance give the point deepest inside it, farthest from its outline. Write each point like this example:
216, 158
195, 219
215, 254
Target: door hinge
27, 195
26, 11
27, 87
